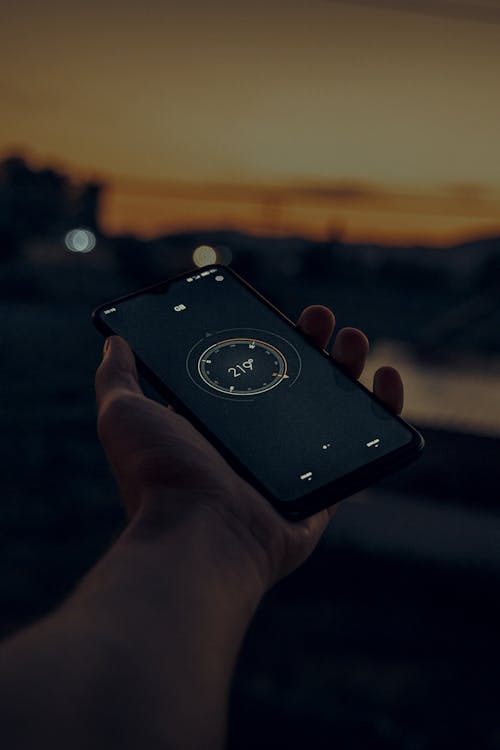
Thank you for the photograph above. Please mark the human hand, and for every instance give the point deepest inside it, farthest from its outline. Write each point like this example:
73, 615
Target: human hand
168, 472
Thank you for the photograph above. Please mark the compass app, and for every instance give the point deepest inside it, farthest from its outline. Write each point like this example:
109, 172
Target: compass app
265, 366
273, 400
243, 362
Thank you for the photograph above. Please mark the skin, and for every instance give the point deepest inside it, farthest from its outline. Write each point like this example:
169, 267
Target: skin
142, 654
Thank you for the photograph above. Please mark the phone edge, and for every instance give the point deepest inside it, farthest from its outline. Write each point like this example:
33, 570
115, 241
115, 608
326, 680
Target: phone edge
312, 503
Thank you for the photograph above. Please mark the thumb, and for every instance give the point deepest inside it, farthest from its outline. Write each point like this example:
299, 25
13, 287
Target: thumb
117, 371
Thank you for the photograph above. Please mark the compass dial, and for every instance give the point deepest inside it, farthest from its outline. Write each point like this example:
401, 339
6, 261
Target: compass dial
242, 366
236, 362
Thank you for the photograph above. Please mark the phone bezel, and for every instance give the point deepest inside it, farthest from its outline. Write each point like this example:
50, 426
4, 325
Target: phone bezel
323, 497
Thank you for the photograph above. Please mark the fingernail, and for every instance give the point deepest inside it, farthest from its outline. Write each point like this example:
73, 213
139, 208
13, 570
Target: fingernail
106, 346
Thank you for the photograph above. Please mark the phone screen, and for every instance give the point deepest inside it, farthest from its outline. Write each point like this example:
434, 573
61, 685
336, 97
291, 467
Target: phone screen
274, 400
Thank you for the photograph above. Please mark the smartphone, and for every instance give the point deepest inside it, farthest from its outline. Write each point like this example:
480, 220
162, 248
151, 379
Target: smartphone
284, 414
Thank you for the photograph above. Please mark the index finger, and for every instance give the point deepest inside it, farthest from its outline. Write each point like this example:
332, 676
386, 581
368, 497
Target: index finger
318, 322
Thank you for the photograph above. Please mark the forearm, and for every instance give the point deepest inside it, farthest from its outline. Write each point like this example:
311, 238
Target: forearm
145, 648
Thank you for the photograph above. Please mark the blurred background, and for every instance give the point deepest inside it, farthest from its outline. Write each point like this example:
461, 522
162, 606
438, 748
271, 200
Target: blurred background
342, 153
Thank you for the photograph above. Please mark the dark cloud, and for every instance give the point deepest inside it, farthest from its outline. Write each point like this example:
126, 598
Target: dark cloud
345, 191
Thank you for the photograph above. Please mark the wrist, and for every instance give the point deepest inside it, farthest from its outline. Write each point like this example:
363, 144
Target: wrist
226, 543
173, 601
214, 545
163, 552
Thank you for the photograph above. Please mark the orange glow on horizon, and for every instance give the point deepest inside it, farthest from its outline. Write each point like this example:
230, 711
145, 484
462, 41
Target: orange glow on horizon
358, 212
386, 218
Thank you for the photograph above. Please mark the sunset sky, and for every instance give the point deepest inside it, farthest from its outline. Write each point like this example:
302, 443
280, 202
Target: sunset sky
306, 114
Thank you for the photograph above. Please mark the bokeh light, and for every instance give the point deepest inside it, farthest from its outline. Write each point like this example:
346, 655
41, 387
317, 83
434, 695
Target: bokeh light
204, 255
80, 240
